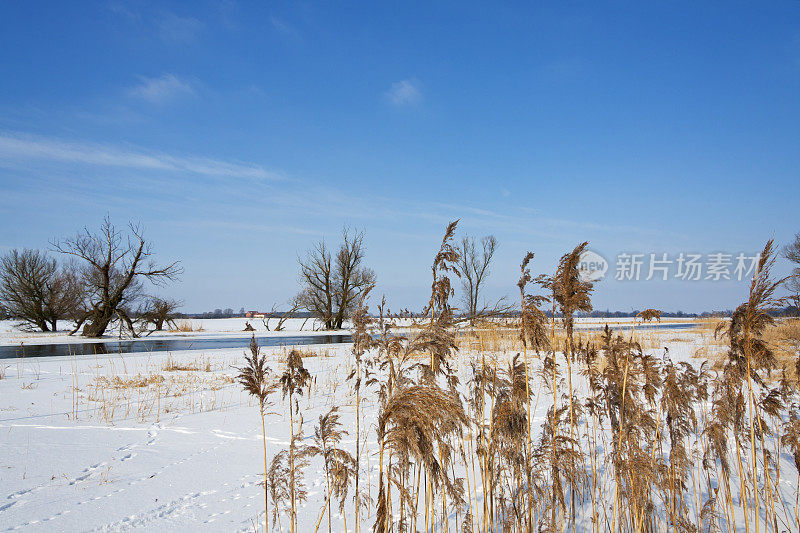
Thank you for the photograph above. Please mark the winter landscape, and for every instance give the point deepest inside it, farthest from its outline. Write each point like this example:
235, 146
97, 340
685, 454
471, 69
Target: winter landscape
421, 267
489, 420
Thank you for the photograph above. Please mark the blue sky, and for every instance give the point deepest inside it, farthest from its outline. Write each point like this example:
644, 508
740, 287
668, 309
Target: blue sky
238, 133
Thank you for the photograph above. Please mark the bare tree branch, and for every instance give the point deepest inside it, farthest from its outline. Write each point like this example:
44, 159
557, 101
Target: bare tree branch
474, 266
34, 289
159, 311
116, 266
331, 287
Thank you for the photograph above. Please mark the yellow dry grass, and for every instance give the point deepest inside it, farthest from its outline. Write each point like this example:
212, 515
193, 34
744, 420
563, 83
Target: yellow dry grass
783, 338
489, 339
203, 364
187, 326
506, 337
134, 382
304, 353
145, 397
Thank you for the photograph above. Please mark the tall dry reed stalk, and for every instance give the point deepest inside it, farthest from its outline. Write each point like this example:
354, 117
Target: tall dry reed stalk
254, 377
748, 354
362, 342
294, 378
572, 293
628, 440
340, 466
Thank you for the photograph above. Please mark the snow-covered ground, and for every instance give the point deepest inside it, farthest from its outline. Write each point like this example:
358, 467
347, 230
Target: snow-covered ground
12, 334
182, 454
168, 441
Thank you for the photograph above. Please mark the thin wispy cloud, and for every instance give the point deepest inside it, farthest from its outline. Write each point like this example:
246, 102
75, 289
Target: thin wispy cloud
154, 23
161, 90
471, 210
175, 29
16, 148
284, 28
124, 10
31, 152
404, 93
248, 227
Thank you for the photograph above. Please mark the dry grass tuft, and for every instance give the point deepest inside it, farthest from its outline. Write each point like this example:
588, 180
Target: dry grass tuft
304, 353
313, 353
489, 338
199, 365
135, 382
784, 339
144, 396
187, 326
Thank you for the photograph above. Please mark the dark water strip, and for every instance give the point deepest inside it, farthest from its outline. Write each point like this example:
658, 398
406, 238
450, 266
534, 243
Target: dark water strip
174, 345
161, 345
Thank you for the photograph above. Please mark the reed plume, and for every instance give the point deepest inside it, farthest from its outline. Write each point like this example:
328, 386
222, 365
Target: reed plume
294, 378
679, 393
417, 420
254, 377
340, 466
533, 325
629, 381
510, 437
437, 338
572, 293
748, 354
362, 342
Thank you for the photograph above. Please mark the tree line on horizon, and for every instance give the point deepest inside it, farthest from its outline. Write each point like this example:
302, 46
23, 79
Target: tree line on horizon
105, 274
789, 310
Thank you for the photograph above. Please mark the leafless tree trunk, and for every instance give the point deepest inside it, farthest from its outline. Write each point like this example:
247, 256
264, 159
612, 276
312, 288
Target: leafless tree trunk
288, 314
474, 266
351, 276
296, 303
160, 311
331, 286
35, 290
316, 279
125, 319
116, 264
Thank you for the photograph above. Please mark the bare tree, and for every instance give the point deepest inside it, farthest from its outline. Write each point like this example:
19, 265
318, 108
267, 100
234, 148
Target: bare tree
116, 265
282, 316
331, 285
316, 279
474, 266
792, 253
34, 289
159, 311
